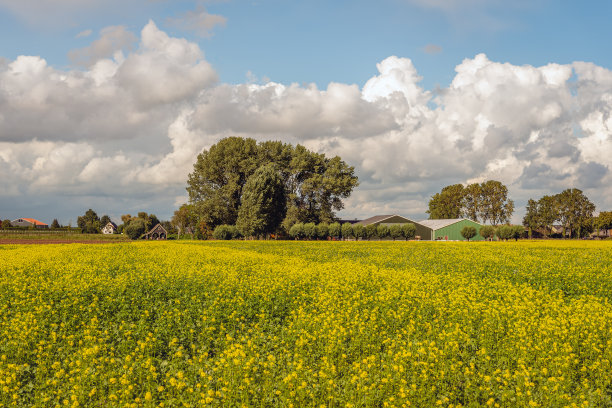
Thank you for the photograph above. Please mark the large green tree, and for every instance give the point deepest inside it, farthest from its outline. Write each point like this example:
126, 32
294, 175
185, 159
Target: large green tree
315, 185
531, 219
263, 204
472, 201
487, 201
185, 219
603, 221
495, 207
89, 223
575, 211
548, 213
448, 203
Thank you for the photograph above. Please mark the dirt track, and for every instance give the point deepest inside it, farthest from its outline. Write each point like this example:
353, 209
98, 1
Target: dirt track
53, 241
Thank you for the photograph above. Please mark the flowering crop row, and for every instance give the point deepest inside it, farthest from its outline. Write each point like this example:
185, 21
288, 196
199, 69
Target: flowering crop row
305, 324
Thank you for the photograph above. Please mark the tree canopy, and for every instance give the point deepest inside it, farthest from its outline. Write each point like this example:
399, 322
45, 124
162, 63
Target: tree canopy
487, 202
314, 185
89, 223
263, 202
571, 208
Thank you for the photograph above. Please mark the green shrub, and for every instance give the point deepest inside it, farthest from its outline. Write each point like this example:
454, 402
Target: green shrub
225, 232
323, 230
468, 232
487, 232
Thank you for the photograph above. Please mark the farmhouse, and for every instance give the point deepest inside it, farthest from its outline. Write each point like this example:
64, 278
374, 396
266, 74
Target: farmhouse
28, 222
451, 229
421, 230
157, 232
109, 228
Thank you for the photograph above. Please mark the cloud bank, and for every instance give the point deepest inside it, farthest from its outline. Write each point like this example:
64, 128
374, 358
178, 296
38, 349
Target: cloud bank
122, 134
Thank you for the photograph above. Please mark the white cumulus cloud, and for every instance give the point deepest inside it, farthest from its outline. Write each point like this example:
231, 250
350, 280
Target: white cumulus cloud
125, 131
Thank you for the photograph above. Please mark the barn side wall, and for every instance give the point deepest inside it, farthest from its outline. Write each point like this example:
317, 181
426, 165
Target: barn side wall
453, 231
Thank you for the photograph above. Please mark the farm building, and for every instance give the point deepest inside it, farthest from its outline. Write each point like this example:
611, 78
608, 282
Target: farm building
109, 228
157, 232
451, 229
421, 231
28, 222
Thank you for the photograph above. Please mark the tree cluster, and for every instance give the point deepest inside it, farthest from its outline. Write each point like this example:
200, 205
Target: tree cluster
502, 232
603, 221
480, 202
135, 227
570, 208
90, 223
347, 230
263, 187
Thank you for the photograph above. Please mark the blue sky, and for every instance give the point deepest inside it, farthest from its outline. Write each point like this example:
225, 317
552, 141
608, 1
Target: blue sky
504, 78
341, 41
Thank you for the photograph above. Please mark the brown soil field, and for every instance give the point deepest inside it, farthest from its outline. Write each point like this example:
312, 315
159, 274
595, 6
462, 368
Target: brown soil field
54, 241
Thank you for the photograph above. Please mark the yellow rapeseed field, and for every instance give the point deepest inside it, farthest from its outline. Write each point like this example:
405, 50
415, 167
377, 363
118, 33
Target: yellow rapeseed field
306, 324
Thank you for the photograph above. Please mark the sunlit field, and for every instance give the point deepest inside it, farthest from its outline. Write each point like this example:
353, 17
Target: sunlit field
306, 324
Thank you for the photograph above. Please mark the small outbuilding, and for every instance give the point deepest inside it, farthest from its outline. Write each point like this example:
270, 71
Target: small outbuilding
451, 229
421, 230
28, 222
156, 233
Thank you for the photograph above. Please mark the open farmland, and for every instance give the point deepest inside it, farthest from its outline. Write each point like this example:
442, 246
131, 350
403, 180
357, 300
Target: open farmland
298, 324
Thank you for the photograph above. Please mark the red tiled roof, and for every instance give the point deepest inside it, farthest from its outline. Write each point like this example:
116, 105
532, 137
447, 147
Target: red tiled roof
33, 221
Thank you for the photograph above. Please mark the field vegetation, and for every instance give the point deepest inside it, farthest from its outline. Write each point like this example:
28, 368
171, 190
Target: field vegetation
305, 324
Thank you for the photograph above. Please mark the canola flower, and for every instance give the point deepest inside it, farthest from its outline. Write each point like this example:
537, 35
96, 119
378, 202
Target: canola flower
306, 324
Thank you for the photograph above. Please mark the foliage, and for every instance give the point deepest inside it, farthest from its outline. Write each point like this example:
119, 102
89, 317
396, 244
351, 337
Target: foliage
297, 231
371, 231
571, 208
495, 207
408, 230
575, 211
382, 231
603, 221
6, 224
346, 230
89, 223
105, 219
468, 232
395, 231
487, 201
184, 220
487, 232
205, 231
472, 201
448, 203
358, 231
226, 232
518, 231
135, 228
315, 185
322, 230
55, 224
310, 230
335, 230
531, 220
504, 232
263, 203
267, 324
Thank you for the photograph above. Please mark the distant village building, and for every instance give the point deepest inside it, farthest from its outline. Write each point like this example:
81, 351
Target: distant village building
157, 232
109, 228
28, 222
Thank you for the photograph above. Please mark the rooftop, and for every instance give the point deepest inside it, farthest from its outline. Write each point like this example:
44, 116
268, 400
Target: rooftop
437, 224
